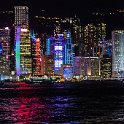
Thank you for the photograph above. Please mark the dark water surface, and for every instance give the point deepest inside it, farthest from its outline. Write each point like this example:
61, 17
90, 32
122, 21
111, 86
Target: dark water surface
61, 104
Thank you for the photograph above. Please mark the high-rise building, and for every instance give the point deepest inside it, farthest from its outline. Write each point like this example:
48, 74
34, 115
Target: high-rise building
58, 51
61, 48
118, 54
23, 52
77, 66
22, 41
37, 57
68, 49
21, 16
5, 51
92, 34
106, 67
49, 65
87, 67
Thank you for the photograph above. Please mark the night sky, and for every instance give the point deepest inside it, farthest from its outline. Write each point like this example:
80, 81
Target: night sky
64, 7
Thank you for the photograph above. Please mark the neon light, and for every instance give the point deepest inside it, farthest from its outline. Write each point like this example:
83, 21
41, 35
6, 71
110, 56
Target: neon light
6, 28
1, 48
58, 55
23, 30
58, 47
33, 36
48, 42
67, 72
18, 51
38, 57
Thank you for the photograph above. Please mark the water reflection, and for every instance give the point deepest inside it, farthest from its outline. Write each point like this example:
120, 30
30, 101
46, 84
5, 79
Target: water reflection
23, 110
65, 109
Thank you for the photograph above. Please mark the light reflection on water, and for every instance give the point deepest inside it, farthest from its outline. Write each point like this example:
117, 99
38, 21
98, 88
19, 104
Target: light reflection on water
65, 109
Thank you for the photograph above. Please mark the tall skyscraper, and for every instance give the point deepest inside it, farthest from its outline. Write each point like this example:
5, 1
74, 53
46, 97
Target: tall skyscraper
60, 47
22, 42
5, 51
92, 34
118, 54
21, 16
23, 52
37, 57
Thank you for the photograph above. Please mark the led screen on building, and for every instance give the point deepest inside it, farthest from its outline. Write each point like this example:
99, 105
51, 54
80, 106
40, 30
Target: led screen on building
67, 71
58, 47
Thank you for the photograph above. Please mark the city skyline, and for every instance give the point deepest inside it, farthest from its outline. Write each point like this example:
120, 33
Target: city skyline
71, 41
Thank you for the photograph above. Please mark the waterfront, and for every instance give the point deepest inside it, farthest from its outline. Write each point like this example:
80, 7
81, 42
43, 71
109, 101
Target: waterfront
62, 103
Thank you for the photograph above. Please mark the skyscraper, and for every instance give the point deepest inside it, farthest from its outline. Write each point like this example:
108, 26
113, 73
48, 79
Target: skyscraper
118, 54
92, 34
22, 42
5, 51
21, 16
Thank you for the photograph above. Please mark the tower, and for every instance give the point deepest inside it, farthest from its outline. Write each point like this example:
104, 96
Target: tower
92, 34
22, 42
118, 54
5, 51
21, 16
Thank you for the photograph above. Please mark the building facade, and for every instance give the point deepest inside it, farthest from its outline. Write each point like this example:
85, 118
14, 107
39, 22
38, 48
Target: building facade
118, 54
5, 52
92, 34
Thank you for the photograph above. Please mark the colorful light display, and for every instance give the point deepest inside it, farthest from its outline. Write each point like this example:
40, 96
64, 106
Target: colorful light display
1, 48
48, 43
58, 56
38, 57
67, 71
18, 51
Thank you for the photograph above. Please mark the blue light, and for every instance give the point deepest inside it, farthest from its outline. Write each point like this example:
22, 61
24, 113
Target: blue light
1, 48
109, 51
48, 43
33, 36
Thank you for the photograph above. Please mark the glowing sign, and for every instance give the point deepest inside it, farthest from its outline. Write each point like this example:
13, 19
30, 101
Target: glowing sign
48, 43
18, 51
6, 28
58, 47
24, 30
1, 48
68, 71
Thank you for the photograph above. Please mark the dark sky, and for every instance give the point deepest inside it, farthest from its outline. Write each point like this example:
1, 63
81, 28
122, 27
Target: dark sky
64, 7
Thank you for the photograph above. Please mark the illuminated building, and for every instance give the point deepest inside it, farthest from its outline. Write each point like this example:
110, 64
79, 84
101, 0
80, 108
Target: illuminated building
91, 67
106, 67
17, 51
106, 48
118, 54
68, 49
67, 71
5, 51
22, 42
77, 66
61, 48
92, 33
23, 52
87, 67
21, 16
59, 43
37, 58
49, 65
48, 46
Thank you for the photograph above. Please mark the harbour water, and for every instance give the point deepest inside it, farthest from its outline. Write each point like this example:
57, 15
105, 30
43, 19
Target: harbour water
61, 104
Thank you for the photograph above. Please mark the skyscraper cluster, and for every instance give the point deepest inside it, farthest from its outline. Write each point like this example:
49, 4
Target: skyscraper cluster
59, 47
